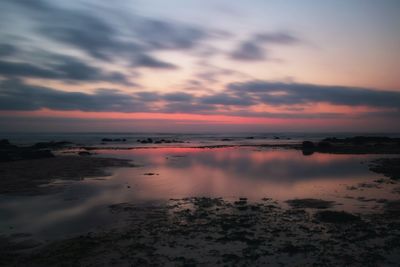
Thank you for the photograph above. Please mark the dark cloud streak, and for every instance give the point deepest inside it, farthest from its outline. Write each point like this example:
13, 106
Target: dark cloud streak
66, 68
234, 101
276, 93
255, 49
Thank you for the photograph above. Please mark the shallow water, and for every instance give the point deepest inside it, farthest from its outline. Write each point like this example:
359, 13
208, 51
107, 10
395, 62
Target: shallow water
186, 172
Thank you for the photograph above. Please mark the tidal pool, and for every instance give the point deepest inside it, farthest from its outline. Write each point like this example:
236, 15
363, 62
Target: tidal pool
165, 173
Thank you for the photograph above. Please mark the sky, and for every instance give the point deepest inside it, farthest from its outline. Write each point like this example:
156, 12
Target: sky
200, 66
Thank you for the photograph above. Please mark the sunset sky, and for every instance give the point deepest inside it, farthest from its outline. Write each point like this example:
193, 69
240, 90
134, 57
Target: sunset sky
200, 65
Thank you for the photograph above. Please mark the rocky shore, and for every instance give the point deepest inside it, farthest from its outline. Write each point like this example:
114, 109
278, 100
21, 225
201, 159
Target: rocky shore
217, 232
24, 170
353, 145
202, 231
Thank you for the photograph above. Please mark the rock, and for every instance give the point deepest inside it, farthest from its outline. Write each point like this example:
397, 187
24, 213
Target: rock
84, 153
308, 148
114, 140
4, 143
308, 145
22, 153
338, 217
146, 141
392, 208
324, 145
359, 140
390, 167
310, 203
51, 144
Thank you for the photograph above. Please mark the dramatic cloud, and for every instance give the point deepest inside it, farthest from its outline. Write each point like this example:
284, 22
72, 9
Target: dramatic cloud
147, 61
114, 36
227, 100
237, 100
65, 68
159, 35
15, 95
275, 93
255, 48
7, 50
249, 51
178, 97
276, 38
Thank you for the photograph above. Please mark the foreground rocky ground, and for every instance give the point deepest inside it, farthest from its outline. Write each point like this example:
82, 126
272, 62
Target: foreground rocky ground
216, 232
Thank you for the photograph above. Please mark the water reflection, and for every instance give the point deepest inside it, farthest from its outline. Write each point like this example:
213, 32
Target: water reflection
232, 172
183, 172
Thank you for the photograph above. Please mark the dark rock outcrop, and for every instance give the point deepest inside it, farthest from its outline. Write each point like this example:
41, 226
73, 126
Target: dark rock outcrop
51, 145
9, 152
113, 140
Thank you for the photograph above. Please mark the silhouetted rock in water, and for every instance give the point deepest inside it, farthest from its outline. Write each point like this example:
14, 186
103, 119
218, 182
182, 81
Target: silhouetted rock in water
354, 145
113, 140
250, 137
308, 145
146, 141
151, 141
307, 152
338, 217
310, 203
324, 145
308, 148
51, 145
390, 167
226, 139
360, 140
277, 137
84, 153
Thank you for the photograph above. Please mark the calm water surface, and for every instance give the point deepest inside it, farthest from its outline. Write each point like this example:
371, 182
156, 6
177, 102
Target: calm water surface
187, 172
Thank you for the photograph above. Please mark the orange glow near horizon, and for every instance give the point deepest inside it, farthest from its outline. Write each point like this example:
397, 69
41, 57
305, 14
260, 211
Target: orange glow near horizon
181, 118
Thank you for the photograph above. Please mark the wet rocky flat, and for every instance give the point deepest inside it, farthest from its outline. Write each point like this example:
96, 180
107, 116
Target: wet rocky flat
27, 177
347, 223
219, 232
